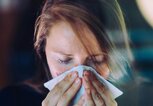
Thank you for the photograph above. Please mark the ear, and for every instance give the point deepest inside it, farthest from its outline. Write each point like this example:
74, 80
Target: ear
104, 71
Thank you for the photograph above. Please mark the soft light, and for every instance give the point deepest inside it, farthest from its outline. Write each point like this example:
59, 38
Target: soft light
146, 8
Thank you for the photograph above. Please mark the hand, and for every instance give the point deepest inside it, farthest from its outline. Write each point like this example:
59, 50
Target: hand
64, 91
95, 92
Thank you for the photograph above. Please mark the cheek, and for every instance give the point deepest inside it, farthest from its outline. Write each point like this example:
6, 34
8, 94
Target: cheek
55, 68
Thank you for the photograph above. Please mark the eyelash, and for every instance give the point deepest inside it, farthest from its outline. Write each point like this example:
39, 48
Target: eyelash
66, 61
96, 62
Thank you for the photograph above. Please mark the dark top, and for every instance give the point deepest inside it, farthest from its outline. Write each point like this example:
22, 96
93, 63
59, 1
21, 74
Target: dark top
23, 95
20, 95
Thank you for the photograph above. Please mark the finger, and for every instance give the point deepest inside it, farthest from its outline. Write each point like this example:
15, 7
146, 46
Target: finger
70, 93
59, 89
99, 86
104, 92
80, 102
88, 96
98, 100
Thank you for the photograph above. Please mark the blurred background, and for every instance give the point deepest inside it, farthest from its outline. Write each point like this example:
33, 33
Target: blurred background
17, 57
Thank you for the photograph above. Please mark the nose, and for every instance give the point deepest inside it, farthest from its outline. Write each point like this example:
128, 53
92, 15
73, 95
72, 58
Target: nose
82, 61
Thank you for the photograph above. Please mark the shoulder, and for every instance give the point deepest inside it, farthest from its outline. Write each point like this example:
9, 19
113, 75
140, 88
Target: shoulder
20, 95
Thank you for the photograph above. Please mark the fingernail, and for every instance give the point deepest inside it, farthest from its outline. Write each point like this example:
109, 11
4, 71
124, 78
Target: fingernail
73, 75
77, 81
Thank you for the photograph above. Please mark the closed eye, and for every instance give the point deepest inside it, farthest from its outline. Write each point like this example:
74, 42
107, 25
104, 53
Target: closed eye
100, 59
65, 61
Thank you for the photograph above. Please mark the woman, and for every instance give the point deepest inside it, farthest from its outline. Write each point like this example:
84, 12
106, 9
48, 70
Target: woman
70, 33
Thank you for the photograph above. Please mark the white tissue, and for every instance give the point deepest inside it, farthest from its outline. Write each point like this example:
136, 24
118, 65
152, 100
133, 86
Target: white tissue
115, 92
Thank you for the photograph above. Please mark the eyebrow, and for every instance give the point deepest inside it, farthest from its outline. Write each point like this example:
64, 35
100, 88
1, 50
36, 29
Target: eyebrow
61, 52
99, 54
66, 54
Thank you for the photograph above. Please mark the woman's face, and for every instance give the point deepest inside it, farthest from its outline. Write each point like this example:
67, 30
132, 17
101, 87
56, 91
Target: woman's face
64, 50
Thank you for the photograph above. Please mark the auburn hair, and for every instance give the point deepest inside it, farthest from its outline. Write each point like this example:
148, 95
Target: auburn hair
90, 14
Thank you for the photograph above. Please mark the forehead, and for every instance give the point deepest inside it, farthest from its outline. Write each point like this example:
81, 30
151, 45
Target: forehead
61, 31
64, 35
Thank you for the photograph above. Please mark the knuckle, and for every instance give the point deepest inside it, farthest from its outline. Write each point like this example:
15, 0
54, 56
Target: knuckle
66, 79
57, 87
56, 90
75, 86
66, 95
98, 97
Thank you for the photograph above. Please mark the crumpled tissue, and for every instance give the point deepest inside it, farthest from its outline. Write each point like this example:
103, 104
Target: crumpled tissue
115, 92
